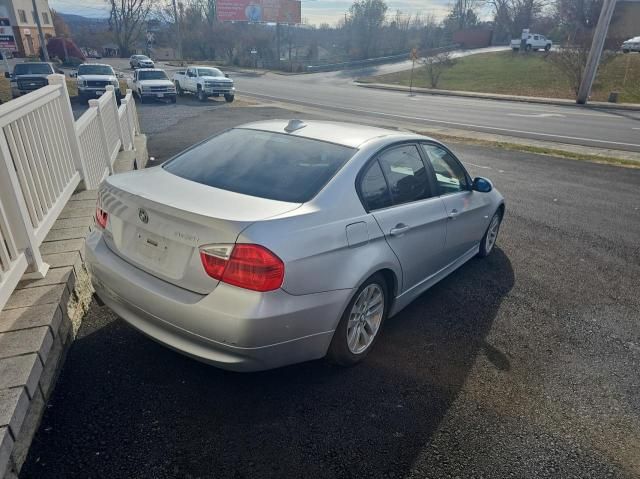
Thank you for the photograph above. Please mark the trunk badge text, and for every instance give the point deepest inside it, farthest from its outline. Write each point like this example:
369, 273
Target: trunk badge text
144, 217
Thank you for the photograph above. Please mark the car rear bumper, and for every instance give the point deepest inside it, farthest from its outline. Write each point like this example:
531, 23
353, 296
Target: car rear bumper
231, 328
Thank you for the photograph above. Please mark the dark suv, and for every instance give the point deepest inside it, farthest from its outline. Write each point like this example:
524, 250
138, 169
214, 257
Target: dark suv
27, 77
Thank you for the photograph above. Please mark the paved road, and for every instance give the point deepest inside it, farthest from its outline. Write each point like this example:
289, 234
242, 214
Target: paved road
521, 365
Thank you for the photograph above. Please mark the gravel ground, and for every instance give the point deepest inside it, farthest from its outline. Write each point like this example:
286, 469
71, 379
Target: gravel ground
524, 364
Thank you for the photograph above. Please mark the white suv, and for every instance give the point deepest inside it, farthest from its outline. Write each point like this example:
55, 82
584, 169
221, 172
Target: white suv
631, 45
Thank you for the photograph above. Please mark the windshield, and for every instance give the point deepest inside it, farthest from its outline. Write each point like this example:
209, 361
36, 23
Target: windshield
263, 164
141, 57
95, 70
152, 75
209, 72
33, 69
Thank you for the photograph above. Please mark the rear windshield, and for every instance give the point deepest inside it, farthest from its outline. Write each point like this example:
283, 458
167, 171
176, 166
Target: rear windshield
32, 69
264, 164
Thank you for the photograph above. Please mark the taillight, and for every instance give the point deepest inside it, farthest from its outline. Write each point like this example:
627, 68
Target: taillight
101, 217
248, 266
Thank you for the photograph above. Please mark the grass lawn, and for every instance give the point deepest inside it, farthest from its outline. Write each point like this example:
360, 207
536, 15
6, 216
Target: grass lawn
529, 75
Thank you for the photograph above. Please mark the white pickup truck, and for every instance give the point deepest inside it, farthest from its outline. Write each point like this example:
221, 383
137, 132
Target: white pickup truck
534, 41
152, 83
204, 82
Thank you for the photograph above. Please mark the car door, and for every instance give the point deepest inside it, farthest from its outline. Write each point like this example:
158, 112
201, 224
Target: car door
468, 211
191, 83
396, 189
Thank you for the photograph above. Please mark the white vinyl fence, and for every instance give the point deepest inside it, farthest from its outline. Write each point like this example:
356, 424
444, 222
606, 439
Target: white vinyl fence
44, 157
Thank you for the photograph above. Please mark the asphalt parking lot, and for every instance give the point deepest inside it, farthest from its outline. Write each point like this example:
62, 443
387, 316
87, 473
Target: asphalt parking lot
524, 364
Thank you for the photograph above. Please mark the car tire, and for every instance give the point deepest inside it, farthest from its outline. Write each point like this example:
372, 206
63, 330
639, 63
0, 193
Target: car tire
141, 98
528, 48
626, 51
229, 98
490, 236
179, 89
547, 48
515, 49
201, 95
343, 350
173, 99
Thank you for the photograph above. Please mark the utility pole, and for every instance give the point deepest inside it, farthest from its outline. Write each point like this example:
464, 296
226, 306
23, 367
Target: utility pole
43, 44
278, 43
593, 60
177, 20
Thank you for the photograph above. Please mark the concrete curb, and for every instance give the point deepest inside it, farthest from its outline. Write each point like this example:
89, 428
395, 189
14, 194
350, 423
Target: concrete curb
495, 96
40, 321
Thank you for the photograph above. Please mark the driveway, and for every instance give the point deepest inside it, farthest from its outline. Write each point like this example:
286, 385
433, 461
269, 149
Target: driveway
521, 365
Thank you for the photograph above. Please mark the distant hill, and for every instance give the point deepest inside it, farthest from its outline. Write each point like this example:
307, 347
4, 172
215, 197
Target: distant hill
75, 21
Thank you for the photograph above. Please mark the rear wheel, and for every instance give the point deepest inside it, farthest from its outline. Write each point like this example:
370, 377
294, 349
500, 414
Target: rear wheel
490, 236
360, 324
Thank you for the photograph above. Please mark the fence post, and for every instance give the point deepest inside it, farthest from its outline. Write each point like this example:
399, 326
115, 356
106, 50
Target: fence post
130, 132
18, 215
103, 134
69, 124
114, 106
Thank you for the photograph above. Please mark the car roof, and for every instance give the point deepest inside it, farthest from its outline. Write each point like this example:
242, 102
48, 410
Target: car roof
203, 66
96, 64
346, 134
150, 70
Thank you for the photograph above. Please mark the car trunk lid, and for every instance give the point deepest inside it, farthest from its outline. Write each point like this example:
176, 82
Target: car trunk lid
158, 221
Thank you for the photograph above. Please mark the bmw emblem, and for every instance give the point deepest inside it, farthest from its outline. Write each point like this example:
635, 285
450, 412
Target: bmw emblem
144, 217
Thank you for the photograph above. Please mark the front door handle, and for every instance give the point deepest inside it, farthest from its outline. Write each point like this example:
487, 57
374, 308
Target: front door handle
453, 213
399, 229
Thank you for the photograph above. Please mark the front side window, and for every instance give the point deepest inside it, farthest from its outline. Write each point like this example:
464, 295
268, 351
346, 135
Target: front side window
209, 72
450, 175
405, 173
265, 164
373, 189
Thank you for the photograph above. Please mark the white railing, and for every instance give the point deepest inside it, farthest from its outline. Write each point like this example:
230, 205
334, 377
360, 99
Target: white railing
44, 157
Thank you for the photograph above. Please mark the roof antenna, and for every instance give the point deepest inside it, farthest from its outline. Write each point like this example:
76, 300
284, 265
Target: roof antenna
294, 125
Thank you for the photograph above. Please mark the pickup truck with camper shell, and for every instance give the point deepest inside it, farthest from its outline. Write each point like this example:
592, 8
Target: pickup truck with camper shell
534, 41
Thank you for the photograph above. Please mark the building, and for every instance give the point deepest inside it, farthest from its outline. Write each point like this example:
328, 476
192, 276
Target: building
22, 19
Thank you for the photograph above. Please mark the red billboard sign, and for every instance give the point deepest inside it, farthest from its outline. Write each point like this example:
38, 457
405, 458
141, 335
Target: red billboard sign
272, 11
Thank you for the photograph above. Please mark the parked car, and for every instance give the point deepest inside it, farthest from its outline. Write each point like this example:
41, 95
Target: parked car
279, 242
93, 79
152, 83
141, 61
28, 76
631, 45
204, 82
534, 41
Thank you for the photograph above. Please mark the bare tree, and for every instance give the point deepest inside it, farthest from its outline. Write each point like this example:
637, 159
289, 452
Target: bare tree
571, 60
126, 21
366, 20
436, 65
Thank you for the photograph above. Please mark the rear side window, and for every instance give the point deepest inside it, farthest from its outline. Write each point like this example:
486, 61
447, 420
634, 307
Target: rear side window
373, 189
405, 173
268, 165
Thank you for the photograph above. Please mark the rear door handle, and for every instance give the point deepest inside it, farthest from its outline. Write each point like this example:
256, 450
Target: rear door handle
399, 229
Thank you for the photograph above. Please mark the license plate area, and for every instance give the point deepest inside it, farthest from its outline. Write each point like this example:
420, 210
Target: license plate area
160, 95
152, 249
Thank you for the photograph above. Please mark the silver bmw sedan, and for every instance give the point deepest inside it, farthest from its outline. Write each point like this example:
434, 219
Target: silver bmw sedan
279, 242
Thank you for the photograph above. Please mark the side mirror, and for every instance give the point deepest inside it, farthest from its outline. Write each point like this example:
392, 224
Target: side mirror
120, 75
73, 75
482, 185
7, 75
60, 72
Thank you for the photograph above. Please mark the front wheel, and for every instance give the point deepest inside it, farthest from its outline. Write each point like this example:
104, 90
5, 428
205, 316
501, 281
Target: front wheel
201, 95
179, 89
547, 48
360, 324
490, 236
229, 98
528, 48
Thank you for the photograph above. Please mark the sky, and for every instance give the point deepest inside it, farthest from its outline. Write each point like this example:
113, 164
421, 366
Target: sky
313, 11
